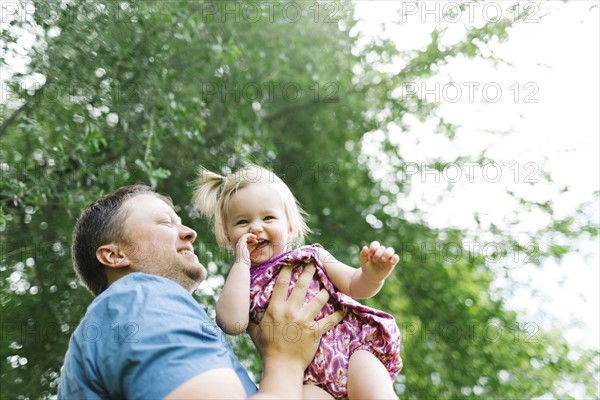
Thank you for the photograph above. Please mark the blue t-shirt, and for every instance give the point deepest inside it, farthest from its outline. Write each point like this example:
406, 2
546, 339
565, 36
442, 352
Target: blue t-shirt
142, 338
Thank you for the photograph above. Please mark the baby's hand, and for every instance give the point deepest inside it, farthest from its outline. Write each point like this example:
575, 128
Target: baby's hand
242, 254
377, 261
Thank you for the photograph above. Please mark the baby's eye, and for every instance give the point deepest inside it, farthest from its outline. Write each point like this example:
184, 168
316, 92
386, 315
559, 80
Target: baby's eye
268, 217
241, 222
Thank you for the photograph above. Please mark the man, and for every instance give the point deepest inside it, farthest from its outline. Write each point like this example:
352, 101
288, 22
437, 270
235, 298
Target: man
144, 336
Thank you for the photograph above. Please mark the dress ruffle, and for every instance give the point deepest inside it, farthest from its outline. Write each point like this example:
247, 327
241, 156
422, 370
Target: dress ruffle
363, 328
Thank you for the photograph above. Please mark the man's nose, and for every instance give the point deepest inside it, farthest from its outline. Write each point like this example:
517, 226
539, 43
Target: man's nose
188, 233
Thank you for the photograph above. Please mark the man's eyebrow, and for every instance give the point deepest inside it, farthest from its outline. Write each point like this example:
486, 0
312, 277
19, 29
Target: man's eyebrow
175, 217
172, 215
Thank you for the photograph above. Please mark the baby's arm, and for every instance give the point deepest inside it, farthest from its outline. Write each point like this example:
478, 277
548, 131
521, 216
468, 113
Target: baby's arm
233, 306
376, 264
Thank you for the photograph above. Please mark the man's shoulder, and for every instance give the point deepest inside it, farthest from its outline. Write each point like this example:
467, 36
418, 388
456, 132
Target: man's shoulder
139, 293
144, 335
133, 311
137, 280
138, 284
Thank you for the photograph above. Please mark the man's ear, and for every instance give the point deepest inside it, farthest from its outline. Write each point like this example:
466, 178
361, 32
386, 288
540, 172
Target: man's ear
112, 256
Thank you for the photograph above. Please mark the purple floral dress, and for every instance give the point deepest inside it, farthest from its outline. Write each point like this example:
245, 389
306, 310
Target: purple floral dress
363, 328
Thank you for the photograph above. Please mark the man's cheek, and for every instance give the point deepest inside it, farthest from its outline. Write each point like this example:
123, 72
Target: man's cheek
134, 253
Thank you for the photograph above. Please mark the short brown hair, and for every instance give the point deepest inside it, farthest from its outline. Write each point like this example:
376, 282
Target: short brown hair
99, 224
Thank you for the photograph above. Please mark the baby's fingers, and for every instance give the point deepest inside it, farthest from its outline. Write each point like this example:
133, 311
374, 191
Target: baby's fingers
364, 255
388, 254
380, 255
248, 238
373, 247
241, 247
244, 240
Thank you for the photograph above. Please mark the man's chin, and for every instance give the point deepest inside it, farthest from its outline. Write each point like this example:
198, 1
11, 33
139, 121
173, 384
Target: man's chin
191, 277
197, 273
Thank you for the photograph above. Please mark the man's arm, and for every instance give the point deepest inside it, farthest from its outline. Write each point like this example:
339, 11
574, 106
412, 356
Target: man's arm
284, 360
219, 383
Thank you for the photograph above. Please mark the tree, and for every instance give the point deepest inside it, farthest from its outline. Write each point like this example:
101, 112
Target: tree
149, 91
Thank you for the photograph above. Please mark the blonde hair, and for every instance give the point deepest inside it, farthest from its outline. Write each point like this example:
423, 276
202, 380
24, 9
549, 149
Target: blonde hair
212, 194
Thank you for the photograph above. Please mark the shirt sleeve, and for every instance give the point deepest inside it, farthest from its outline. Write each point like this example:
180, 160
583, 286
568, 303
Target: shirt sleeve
152, 337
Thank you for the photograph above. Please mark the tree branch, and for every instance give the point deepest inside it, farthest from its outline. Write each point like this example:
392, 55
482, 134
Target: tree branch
12, 118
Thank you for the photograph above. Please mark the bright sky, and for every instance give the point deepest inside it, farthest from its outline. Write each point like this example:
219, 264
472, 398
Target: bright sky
548, 97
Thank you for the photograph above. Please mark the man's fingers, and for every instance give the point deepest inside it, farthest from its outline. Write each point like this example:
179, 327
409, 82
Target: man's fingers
327, 323
280, 290
299, 293
314, 306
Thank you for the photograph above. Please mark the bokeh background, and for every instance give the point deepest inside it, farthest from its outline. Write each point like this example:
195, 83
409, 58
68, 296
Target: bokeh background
465, 135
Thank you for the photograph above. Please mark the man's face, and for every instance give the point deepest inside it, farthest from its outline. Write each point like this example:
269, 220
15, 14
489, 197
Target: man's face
158, 243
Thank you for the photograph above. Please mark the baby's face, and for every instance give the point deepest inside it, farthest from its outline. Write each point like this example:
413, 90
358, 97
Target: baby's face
259, 209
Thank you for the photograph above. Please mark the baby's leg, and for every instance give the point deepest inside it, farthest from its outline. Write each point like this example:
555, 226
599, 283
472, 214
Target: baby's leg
315, 392
368, 378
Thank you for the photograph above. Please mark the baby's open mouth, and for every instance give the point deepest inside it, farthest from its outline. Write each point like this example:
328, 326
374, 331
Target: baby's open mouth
260, 244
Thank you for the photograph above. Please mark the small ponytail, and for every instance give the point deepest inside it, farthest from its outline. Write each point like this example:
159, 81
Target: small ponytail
206, 192
213, 192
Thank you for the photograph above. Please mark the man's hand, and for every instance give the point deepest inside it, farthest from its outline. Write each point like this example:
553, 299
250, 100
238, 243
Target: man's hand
288, 332
377, 261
